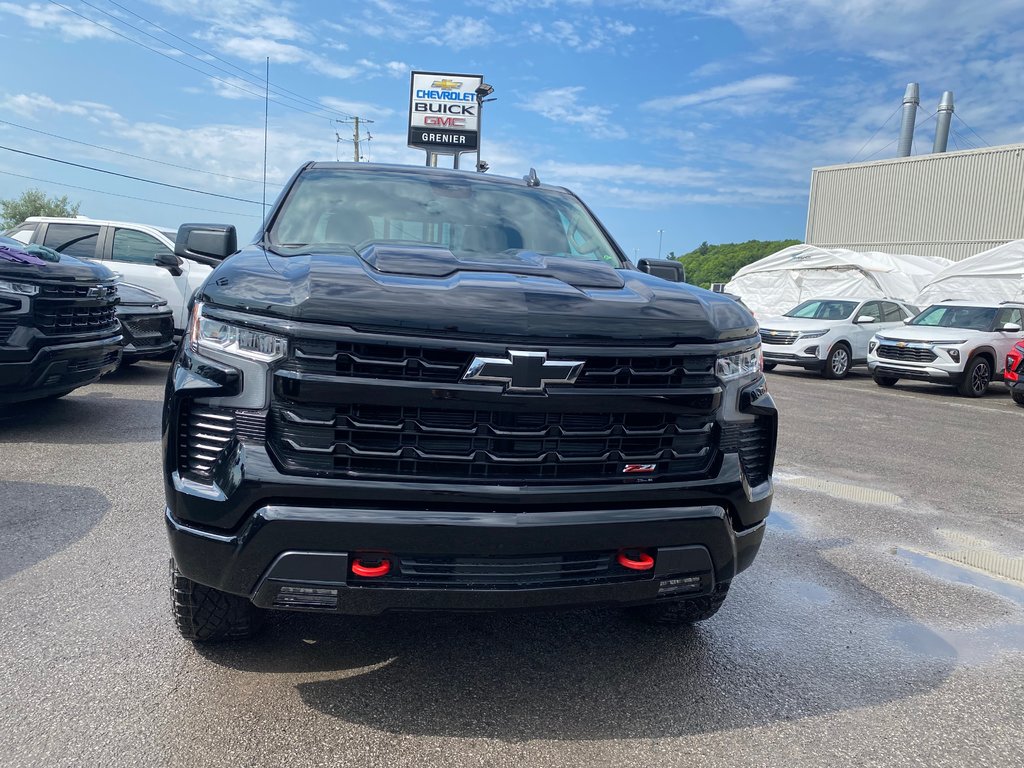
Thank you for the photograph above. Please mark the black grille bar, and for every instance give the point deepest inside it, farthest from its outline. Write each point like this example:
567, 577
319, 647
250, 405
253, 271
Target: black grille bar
911, 354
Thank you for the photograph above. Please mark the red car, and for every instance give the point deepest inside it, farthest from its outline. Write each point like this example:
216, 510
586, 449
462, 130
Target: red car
1014, 373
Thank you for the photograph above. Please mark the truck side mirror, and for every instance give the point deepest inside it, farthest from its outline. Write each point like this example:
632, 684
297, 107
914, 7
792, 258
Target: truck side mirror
206, 243
666, 269
169, 260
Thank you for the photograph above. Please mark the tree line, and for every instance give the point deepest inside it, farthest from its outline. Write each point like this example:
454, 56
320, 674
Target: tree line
707, 264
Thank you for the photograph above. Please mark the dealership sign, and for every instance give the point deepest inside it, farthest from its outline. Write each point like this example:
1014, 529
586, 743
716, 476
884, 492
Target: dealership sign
444, 114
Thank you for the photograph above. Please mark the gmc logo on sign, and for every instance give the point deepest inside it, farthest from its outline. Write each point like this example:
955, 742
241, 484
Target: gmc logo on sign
445, 122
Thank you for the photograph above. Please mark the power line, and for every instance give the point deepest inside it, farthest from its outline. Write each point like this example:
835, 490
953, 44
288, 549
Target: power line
129, 154
186, 64
127, 176
250, 75
129, 197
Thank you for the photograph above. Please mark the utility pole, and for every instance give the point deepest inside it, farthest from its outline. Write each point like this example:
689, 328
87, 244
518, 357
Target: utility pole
355, 121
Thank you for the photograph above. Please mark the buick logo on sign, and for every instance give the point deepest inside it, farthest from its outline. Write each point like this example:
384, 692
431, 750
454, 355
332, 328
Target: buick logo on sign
523, 371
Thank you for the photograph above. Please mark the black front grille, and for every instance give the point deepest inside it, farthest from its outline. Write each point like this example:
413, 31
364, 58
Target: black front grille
150, 330
7, 326
753, 441
649, 372
55, 320
445, 365
910, 354
70, 291
783, 338
425, 444
558, 570
80, 365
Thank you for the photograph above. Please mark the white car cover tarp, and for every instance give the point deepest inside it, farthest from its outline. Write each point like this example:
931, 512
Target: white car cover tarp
993, 275
777, 283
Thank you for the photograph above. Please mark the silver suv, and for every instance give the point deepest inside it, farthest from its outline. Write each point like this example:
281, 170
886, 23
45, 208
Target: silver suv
963, 343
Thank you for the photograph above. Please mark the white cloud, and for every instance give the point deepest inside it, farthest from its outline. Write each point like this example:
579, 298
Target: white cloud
758, 85
69, 26
461, 32
361, 108
31, 105
562, 105
583, 35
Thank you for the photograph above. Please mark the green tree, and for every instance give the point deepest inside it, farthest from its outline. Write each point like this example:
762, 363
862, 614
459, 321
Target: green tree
34, 202
707, 264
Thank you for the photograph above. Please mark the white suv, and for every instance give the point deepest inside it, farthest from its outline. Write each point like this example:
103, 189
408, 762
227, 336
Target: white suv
142, 254
828, 335
963, 343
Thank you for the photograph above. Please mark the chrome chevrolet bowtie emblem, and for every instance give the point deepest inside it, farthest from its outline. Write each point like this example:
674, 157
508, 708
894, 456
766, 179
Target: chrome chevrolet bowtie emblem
523, 371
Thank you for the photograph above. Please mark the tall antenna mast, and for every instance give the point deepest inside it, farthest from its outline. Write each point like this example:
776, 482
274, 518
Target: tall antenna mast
266, 130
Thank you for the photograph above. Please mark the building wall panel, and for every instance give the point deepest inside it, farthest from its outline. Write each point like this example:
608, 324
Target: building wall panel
953, 204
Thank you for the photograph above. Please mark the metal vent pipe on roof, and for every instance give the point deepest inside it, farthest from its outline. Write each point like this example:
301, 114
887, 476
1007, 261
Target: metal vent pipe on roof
945, 117
910, 101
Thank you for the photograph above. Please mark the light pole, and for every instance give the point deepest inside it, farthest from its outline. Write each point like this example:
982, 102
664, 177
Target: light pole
661, 232
482, 93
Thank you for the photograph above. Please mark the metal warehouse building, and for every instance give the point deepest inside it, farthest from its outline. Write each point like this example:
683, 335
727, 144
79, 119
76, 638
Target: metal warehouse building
951, 204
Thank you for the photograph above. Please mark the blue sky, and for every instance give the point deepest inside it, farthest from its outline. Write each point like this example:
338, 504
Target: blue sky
699, 118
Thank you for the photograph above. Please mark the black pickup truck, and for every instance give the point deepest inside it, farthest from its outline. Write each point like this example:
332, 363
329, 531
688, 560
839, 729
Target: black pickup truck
58, 329
423, 389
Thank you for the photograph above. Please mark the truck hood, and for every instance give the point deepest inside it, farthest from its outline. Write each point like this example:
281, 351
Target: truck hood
420, 289
67, 269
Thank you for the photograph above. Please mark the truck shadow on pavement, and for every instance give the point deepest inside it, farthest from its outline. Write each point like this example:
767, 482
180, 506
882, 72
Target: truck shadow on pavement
92, 417
38, 520
797, 638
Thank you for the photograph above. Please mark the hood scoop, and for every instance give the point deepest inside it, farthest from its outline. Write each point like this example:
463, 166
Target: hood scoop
434, 261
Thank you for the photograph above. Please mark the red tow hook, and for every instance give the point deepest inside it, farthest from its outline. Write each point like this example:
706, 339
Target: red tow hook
635, 560
371, 568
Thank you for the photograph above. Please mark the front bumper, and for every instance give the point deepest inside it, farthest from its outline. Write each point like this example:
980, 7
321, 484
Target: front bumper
797, 354
58, 368
934, 374
147, 332
308, 549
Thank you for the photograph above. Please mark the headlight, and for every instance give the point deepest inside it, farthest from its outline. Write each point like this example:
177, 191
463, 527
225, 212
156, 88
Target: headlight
210, 333
734, 366
812, 334
25, 289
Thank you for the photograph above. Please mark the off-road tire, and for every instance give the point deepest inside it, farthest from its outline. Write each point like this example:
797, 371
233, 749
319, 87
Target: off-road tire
977, 377
838, 362
682, 612
204, 615
770, 366
885, 381
1018, 397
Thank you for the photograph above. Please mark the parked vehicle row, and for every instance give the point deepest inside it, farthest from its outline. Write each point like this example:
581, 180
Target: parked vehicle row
142, 255
965, 344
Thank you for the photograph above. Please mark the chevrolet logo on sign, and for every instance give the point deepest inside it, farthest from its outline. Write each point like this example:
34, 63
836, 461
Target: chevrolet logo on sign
523, 371
446, 84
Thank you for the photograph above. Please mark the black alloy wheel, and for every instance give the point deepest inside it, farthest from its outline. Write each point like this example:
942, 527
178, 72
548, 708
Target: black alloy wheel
977, 377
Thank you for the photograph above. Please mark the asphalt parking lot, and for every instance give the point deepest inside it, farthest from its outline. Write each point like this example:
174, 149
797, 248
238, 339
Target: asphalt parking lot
874, 628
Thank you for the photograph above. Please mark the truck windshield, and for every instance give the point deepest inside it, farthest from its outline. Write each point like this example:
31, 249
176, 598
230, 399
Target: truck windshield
339, 208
